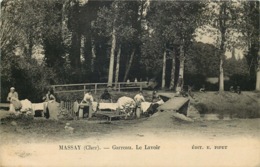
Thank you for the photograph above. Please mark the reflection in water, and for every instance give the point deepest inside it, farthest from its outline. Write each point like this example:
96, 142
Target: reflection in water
213, 117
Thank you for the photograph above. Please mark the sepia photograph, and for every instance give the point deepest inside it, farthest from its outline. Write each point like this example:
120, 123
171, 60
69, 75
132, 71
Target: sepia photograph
129, 83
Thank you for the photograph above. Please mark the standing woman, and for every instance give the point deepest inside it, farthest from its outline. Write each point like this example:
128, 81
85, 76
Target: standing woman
48, 98
139, 98
12, 97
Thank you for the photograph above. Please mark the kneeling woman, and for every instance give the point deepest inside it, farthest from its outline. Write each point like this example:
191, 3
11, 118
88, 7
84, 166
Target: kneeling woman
157, 101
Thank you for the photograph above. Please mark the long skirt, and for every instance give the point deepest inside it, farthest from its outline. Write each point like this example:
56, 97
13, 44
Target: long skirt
52, 110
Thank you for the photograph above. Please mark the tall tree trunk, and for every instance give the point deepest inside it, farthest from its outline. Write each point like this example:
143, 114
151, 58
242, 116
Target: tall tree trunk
117, 65
129, 65
75, 50
82, 43
255, 17
222, 24
221, 76
64, 23
164, 69
30, 46
257, 88
258, 74
93, 50
172, 83
65, 32
112, 59
221, 69
181, 70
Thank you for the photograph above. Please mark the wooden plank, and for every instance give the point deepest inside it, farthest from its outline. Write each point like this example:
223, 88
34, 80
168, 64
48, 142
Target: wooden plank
110, 114
175, 103
4, 105
168, 95
92, 84
122, 86
95, 88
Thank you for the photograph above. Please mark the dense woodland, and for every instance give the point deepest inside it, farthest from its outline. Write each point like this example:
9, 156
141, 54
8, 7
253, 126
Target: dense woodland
78, 41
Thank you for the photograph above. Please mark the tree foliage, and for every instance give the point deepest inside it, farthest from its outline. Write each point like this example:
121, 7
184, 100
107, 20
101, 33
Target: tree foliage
69, 41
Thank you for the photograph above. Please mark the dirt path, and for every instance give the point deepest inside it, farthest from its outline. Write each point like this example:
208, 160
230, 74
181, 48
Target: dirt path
175, 139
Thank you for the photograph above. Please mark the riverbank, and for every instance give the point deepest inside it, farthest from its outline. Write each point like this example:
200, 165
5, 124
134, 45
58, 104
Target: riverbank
244, 105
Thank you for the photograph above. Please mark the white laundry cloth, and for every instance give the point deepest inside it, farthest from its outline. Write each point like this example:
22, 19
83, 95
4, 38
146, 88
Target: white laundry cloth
37, 106
145, 106
111, 106
126, 101
26, 105
75, 106
94, 106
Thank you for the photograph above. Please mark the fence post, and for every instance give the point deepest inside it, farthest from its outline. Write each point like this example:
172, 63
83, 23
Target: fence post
95, 88
141, 88
118, 87
84, 89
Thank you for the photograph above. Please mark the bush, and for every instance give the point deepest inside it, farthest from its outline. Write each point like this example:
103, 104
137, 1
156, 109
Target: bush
30, 78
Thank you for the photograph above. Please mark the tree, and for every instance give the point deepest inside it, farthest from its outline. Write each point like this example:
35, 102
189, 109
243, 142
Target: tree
223, 16
152, 51
17, 29
25, 27
258, 73
107, 18
176, 22
115, 22
112, 58
117, 65
76, 36
201, 59
164, 69
52, 37
249, 27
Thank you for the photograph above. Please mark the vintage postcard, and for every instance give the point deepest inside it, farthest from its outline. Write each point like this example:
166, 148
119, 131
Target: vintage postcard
135, 83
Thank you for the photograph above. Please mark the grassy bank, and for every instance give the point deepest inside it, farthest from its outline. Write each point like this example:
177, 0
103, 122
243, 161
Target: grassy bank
245, 105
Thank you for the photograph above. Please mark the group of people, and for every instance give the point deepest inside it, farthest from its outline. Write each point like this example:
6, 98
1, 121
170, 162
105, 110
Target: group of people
123, 102
105, 97
16, 104
237, 90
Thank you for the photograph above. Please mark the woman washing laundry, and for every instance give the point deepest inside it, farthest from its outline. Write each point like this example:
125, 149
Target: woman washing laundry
106, 97
156, 102
139, 98
88, 98
86, 105
48, 99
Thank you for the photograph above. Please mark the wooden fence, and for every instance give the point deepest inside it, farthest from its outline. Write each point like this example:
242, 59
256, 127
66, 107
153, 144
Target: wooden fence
68, 105
70, 88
